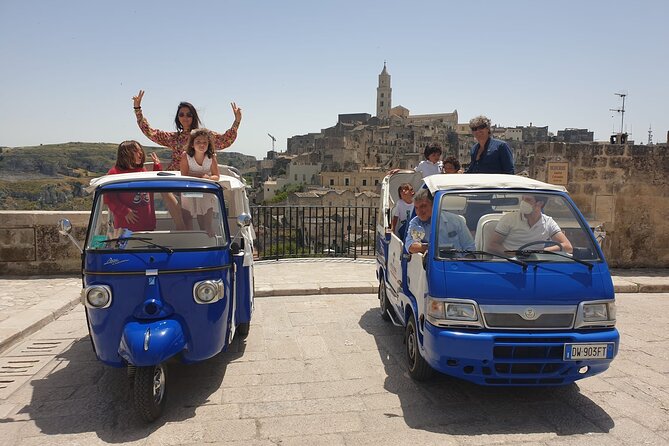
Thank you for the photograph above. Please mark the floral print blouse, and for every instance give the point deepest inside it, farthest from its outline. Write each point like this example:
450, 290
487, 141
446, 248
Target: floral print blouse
177, 140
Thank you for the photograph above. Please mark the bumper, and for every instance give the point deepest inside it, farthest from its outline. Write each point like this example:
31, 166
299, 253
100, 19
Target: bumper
513, 358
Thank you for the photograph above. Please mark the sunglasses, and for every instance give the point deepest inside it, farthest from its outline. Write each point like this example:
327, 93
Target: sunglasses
185, 115
478, 127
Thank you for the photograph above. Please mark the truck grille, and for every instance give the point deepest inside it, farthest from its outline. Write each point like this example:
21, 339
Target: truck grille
517, 317
528, 361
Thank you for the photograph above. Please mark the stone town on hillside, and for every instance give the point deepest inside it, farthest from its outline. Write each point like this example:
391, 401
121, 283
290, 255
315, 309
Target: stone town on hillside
355, 154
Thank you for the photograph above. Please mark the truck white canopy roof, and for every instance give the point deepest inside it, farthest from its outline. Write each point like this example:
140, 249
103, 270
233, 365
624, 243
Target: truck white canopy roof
486, 181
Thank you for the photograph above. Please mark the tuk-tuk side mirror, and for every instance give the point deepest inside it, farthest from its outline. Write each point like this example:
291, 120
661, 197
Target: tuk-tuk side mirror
244, 220
65, 228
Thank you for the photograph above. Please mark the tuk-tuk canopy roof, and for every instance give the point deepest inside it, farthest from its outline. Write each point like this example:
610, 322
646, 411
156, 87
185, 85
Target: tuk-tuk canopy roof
227, 182
486, 181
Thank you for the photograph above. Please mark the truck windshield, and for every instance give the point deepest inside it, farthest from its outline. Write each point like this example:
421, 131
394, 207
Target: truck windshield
141, 220
530, 227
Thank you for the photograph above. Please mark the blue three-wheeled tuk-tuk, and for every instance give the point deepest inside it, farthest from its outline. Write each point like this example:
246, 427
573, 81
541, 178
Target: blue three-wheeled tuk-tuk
165, 283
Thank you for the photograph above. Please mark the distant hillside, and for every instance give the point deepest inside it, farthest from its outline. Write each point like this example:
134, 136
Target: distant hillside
51, 177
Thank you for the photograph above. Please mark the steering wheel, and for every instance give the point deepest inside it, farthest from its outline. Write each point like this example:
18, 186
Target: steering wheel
546, 244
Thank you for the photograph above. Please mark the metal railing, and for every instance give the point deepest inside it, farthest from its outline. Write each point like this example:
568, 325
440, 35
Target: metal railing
314, 231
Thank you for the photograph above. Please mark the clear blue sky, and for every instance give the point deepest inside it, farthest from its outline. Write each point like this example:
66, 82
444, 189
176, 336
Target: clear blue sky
70, 68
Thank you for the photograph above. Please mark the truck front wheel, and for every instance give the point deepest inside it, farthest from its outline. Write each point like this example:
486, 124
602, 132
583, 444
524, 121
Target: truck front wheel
419, 369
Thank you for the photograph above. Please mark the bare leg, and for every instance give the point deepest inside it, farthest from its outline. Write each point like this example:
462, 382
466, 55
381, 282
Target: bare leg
208, 222
174, 209
188, 220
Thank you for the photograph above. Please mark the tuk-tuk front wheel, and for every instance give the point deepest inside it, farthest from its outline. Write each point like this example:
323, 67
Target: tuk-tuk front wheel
383, 300
419, 369
150, 391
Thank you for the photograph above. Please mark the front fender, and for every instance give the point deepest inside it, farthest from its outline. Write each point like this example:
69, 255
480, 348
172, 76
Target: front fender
150, 343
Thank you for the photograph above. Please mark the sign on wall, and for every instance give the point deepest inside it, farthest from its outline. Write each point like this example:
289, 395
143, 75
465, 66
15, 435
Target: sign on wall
557, 173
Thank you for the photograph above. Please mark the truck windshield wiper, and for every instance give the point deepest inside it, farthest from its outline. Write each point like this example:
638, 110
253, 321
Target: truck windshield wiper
470, 251
141, 239
555, 253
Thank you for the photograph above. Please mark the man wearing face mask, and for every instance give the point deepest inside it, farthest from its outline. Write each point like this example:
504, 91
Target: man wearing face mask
530, 224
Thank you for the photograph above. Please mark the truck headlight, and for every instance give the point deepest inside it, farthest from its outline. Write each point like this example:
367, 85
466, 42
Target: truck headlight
207, 291
453, 312
596, 314
461, 312
96, 296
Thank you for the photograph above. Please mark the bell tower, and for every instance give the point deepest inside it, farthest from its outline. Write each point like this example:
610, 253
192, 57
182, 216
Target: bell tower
383, 95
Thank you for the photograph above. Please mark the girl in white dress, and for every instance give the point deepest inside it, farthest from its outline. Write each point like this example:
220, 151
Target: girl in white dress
199, 160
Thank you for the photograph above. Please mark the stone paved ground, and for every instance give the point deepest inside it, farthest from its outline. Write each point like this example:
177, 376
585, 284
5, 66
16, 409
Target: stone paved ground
326, 370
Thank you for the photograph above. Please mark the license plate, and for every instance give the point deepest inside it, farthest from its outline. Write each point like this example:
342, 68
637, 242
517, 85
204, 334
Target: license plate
576, 352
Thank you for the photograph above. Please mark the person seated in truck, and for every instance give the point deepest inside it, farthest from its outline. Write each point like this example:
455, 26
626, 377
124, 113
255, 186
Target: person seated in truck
452, 228
528, 225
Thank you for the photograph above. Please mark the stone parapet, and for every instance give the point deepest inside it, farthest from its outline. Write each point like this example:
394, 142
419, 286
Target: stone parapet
31, 245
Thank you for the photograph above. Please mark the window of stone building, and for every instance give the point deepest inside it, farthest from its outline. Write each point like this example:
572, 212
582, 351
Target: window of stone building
376, 182
346, 181
381, 103
331, 181
364, 182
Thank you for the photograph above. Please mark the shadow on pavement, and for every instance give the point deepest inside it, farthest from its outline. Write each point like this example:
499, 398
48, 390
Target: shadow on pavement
83, 395
453, 406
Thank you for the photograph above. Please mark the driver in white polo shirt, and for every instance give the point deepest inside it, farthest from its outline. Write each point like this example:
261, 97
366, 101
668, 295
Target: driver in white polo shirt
516, 229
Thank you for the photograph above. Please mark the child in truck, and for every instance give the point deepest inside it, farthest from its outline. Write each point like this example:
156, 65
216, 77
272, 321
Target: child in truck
199, 160
403, 210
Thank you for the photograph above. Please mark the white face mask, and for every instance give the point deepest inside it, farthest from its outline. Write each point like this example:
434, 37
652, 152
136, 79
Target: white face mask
526, 208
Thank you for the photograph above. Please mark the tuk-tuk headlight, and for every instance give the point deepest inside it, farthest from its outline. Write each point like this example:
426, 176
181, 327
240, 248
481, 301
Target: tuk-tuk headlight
207, 291
596, 314
96, 296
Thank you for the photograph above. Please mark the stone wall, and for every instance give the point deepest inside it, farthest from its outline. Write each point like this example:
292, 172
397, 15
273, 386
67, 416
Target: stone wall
622, 187
625, 189
31, 245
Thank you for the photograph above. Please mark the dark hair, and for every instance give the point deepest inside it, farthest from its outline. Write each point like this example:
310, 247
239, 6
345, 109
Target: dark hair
190, 149
125, 155
196, 120
430, 149
403, 186
451, 160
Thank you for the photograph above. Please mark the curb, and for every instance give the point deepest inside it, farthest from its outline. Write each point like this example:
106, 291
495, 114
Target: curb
33, 319
29, 321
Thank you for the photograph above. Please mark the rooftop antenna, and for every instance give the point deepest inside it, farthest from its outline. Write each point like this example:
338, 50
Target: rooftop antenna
273, 141
621, 110
650, 134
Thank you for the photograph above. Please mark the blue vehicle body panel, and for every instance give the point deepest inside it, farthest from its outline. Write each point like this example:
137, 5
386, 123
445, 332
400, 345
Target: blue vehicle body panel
244, 289
147, 298
150, 343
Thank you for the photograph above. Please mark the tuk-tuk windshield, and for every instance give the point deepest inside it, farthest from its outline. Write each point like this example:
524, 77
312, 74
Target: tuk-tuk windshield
145, 220
531, 226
